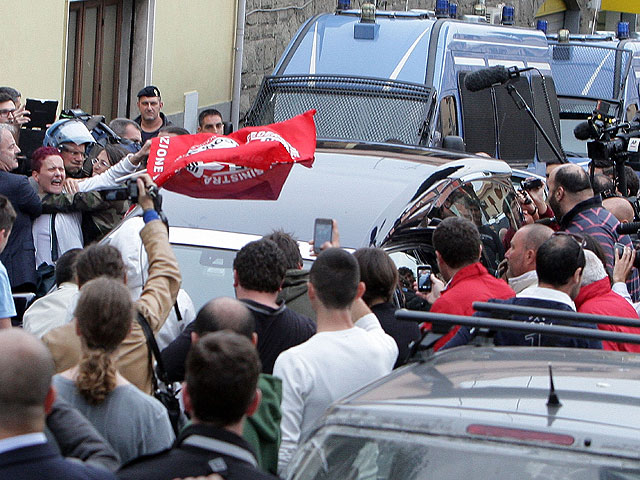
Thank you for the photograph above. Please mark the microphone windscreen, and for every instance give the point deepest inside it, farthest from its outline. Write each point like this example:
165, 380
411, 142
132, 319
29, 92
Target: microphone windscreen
485, 78
585, 131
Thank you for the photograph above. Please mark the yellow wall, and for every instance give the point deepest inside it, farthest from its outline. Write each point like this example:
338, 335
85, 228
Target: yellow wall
628, 6
193, 50
33, 43
551, 6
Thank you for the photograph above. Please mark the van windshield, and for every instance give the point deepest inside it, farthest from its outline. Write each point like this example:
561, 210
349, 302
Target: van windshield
363, 454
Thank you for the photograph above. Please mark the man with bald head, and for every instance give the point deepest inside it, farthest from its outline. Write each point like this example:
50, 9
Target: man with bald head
580, 211
620, 207
262, 429
26, 396
521, 256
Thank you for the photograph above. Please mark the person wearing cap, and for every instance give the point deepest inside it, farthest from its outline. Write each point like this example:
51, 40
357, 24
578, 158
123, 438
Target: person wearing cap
151, 119
71, 137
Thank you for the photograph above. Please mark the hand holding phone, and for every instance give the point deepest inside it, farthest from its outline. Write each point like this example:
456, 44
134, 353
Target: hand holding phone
322, 233
424, 278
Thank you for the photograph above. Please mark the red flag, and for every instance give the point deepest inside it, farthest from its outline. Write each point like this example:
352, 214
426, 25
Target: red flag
218, 166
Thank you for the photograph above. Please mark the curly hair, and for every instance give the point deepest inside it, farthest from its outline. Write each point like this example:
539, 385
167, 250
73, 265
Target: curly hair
458, 241
261, 266
104, 314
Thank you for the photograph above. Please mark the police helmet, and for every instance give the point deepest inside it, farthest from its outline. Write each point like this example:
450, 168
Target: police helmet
67, 130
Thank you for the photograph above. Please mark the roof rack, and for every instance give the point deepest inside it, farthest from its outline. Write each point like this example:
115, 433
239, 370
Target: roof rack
519, 326
510, 310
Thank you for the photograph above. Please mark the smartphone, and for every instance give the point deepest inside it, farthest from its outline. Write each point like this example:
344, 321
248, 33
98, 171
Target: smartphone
322, 232
424, 278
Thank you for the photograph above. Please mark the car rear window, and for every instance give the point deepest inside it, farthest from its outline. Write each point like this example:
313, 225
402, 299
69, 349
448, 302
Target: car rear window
344, 452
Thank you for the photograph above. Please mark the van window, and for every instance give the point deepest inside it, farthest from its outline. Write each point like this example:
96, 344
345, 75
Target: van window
448, 119
478, 119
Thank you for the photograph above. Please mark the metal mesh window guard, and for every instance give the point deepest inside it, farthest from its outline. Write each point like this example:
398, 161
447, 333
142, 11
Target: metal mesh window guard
365, 109
583, 70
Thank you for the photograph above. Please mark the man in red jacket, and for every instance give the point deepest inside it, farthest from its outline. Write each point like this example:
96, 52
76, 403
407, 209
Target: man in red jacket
597, 297
458, 247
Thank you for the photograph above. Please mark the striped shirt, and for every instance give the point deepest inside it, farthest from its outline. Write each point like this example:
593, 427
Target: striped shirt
591, 218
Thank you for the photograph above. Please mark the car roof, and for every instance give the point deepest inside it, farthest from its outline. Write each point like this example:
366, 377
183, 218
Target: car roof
508, 387
361, 188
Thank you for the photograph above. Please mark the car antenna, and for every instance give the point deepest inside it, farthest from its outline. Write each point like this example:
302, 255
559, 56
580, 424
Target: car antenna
552, 401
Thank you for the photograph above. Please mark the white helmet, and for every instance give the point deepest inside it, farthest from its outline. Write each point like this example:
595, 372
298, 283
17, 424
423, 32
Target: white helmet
65, 131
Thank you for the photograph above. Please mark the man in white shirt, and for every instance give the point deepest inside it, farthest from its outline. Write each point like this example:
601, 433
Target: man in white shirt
521, 256
340, 358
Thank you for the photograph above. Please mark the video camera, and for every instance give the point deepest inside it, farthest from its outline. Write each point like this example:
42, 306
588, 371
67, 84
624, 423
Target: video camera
611, 141
129, 191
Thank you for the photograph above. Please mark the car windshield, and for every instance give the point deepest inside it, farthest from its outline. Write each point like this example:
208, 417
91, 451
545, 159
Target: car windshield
357, 454
207, 272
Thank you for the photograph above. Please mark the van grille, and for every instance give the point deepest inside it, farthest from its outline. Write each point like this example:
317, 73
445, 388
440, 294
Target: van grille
352, 108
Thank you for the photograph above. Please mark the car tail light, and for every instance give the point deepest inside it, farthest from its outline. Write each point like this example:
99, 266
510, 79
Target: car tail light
520, 434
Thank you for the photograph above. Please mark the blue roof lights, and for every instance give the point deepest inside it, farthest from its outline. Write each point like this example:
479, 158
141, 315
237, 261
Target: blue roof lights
453, 10
508, 12
442, 8
542, 25
344, 4
623, 30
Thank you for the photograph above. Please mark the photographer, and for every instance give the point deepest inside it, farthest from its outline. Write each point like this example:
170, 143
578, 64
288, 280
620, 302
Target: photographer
158, 295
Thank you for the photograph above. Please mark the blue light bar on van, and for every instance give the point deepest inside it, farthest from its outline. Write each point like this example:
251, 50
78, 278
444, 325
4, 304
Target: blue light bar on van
442, 8
623, 30
508, 12
542, 25
453, 10
344, 4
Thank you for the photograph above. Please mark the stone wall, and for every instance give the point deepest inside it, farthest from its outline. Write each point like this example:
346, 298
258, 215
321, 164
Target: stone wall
271, 24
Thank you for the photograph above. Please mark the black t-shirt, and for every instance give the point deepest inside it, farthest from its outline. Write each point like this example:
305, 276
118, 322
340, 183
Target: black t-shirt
278, 329
402, 332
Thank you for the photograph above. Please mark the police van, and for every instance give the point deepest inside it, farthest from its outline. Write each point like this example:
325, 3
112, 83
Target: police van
398, 77
590, 68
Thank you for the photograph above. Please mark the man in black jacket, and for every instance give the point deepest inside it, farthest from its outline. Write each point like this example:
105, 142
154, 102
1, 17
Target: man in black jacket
219, 392
19, 255
259, 270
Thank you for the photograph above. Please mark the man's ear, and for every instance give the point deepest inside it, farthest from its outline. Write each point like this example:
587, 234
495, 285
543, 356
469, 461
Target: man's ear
186, 399
311, 291
360, 290
49, 399
255, 403
194, 338
78, 332
235, 278
577, 275
254, 339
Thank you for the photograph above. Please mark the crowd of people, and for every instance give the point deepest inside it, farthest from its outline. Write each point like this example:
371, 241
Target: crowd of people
86, 372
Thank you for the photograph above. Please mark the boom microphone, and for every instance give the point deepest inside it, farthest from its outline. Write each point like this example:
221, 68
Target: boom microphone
630, 228
585, 131
488, 77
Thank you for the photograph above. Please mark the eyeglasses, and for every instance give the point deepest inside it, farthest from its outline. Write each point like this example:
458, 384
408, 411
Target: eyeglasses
7, 111
102, 163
